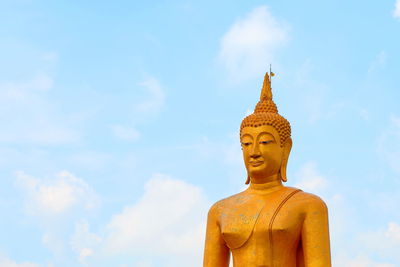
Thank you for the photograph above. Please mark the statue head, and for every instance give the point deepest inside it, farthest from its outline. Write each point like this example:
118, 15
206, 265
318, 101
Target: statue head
265, 139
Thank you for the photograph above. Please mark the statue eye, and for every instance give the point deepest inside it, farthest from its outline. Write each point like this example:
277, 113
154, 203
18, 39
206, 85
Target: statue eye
265, 142
246, 143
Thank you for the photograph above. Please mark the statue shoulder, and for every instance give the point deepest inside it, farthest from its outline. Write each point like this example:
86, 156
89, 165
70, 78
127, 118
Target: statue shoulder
228, 202
310, 202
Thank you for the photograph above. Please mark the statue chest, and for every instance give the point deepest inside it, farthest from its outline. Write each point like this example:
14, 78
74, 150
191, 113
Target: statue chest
259, 219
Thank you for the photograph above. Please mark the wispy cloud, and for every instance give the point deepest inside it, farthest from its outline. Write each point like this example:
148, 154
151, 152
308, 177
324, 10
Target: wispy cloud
378, 63
28, 116
396, 11
247, 48
6, 262
84, 242
127, 133
151, 104
56, 196
313, 95
384, 242
360, 261
156, 96
389, 144
310, 179
91, 160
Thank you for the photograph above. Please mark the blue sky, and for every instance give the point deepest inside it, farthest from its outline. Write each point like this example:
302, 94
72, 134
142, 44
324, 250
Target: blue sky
119, 123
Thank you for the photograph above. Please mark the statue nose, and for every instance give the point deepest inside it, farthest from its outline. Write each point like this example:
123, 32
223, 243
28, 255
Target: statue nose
255, 152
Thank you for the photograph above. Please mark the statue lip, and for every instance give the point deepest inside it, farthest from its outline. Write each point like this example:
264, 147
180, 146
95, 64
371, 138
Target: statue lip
256, 163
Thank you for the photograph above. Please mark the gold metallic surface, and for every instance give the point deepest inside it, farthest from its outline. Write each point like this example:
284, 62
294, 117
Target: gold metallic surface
268, 224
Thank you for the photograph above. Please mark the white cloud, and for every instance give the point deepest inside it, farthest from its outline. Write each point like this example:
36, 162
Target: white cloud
125, 132
248, 47
378, 63
5, 262
389, 144
55, 196
360, 261
50, 56
309, 179
157, 96
386, 202
313, 99
396, 12
41, 82
393, 232
92, 160
390, 236
141, 264
232, 154
56, 201
169, 219
227, 152
385, 242
27, 116
83, 242
364, 114
53, 242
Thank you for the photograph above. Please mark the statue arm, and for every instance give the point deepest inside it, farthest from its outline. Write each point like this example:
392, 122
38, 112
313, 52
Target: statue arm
216, 252
315, 235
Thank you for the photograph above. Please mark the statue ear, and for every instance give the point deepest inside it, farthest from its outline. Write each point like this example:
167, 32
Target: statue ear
287, 146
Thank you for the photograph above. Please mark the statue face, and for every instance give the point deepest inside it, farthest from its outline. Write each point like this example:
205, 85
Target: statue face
262, 153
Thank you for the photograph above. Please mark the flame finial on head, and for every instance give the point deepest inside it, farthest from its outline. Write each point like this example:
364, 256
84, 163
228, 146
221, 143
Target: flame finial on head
266, 104
266, 91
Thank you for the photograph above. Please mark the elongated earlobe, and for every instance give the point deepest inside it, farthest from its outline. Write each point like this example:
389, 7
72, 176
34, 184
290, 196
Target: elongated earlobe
283, 174
285, 157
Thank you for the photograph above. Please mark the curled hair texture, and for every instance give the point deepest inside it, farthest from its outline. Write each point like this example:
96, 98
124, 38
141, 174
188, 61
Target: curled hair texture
281, 125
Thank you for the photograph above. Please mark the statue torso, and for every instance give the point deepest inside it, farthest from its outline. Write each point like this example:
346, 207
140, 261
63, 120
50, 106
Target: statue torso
263, 229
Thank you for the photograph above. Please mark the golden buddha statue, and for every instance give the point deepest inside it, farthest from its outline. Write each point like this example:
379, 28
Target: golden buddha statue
268, 224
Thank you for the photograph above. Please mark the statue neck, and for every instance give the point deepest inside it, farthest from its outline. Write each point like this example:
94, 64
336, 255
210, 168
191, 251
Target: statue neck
265, 188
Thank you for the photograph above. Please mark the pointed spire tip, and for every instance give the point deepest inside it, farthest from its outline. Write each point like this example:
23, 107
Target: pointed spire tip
266, 92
